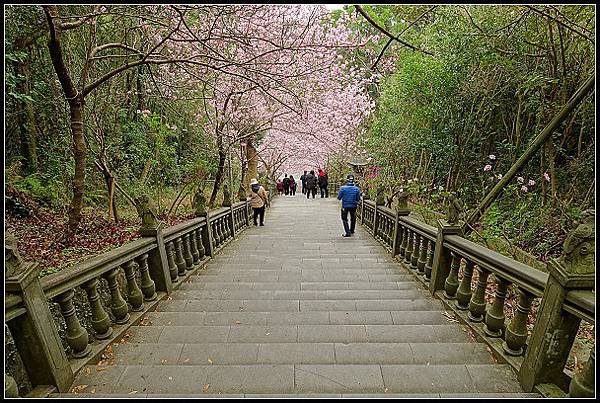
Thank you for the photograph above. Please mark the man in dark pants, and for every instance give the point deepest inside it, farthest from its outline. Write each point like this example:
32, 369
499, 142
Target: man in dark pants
311, 185
303, 180
349, 194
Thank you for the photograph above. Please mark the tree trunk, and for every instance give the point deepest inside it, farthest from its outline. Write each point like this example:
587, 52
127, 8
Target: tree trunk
79, 152
252, 158
218, 177
26, 123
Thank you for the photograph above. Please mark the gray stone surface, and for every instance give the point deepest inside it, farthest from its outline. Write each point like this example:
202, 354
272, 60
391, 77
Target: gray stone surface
292, 309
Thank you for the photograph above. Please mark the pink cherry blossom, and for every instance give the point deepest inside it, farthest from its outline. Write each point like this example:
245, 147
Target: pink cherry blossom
520, 179
546, 176
492, 156
531, 182
487, 168
524, 188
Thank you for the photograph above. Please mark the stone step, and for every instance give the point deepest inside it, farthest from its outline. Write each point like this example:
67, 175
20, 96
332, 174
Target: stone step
296, 285
305, 395
256, 305
299, 378
297, 318
299, 353
299, 334
315, 277
234, 294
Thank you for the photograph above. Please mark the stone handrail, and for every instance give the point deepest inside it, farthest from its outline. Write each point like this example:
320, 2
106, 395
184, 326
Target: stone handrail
438, 255
138, 274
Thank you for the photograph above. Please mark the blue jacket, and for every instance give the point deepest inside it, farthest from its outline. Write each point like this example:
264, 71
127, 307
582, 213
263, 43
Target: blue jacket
349, 195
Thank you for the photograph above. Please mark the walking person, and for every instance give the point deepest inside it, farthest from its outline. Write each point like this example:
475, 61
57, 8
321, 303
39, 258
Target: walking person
258, 201
323, 183
311, 185
279, 187
292, 186
303, 181
349, 194
286, 185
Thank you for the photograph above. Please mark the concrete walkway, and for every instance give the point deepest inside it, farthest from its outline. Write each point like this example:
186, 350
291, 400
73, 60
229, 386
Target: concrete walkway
292, 308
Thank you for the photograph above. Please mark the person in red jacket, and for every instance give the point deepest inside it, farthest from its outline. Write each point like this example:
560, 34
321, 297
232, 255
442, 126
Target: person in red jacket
323, 183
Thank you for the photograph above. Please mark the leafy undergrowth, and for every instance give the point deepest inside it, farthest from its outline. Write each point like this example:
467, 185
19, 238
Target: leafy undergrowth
39, 238
40, 231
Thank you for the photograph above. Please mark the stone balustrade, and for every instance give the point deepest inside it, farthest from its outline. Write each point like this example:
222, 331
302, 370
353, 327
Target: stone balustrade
460, 272
117, 288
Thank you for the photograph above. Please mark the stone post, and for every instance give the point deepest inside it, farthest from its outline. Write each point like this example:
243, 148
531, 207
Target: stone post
555, 329
34, 333
441, 256
202, 211
158, 264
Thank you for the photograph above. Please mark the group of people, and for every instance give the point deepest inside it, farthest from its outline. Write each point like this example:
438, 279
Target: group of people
286, 186
310, 181
349, 194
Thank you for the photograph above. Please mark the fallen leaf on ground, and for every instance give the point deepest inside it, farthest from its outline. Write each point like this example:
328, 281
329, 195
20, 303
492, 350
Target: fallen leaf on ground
93, 390
205, 387
163, 361
101, 369
132, 392
237, 322
88, 371
209, 360
78, 388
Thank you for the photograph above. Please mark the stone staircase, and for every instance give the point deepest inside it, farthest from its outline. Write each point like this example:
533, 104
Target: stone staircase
294, 309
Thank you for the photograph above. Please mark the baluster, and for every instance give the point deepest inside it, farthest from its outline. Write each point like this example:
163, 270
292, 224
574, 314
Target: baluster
409, 246
227, 228
171, 260
201, 251
429, 263
134, 295
148, 287
477, 303
179, 256
516, 333
187, 255
451, 283
463, 295
415, 253
216, 234
389, 233
118, 304
423, 255
404, 243
494, 318
193, 248
77, 336
583, 383
100, 319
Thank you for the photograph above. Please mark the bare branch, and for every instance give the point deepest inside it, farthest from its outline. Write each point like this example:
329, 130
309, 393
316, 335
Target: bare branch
380, 28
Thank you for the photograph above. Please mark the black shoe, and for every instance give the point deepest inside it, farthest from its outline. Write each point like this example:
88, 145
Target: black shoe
255, 224
262, 225
346, 235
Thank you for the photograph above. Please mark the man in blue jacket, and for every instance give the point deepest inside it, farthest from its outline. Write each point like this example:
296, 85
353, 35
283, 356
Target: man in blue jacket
349, 194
